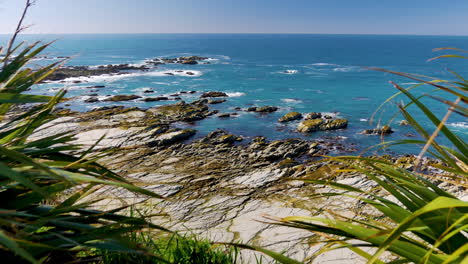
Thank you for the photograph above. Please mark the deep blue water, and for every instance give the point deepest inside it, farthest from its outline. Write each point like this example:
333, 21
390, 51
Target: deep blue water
325, 74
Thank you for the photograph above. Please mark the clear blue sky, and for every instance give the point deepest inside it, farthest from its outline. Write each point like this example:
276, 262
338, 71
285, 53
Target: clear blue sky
427, 17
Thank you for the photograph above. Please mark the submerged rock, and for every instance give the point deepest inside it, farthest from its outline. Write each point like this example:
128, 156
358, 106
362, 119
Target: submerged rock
117, 98
290, 117
190, 62
213, 94
224, 115
265, 109
211, 101
155, 99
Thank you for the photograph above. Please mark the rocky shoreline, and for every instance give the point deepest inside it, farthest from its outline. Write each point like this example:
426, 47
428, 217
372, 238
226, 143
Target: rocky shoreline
118, 69
220, 186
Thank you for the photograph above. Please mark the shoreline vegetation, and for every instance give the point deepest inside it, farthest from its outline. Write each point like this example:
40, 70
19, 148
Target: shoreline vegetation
121, 184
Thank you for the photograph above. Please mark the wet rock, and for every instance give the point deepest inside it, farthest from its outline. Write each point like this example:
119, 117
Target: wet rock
212, 101
279, 149
333, 124
148, 91
85, 71
266, 109
313, 115
224, 115
155, 99
169, 73
214, 112
190, 73
385, 130
226, 139
172, 137
92, 100
213, 94
189, 62
287, 163
181, 111
118, 98
290, 117
404, 123
96, 86
309, 125
252, 109
176, 94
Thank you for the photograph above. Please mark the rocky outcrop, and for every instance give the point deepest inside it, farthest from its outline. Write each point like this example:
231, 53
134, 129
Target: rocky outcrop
181, 112
213, 94
313, 115
290, 117
330, 124
212, 101
85, 71
263, 109
191, 60
155, 99
385, 130
118, 98
310, 125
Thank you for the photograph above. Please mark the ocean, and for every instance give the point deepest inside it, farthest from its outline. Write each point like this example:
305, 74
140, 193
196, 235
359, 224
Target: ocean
295, 72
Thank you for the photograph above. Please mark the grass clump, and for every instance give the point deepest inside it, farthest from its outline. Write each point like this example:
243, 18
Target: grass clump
173, 249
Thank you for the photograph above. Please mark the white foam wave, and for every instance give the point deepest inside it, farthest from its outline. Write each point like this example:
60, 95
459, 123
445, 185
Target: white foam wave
118, 77
334, 114
458, 124
323, 64
235, 94
291, 100
224, 57
363, 119
289, 72
347, 69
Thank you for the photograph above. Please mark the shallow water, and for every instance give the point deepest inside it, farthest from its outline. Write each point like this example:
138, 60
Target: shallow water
304, 73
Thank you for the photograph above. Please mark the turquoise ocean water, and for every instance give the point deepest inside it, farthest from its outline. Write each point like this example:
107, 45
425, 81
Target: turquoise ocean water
304, 73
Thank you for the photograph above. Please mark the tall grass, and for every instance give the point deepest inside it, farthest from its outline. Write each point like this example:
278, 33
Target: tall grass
44, 217
173, 249
415, 221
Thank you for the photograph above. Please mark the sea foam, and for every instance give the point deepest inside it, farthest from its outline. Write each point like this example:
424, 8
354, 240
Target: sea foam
291, 100
458, 124
235, 94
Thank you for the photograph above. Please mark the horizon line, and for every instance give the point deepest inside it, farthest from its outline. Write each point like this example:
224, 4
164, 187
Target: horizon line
237, 33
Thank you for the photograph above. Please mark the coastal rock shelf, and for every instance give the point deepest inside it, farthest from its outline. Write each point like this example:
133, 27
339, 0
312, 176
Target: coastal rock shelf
220, 184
